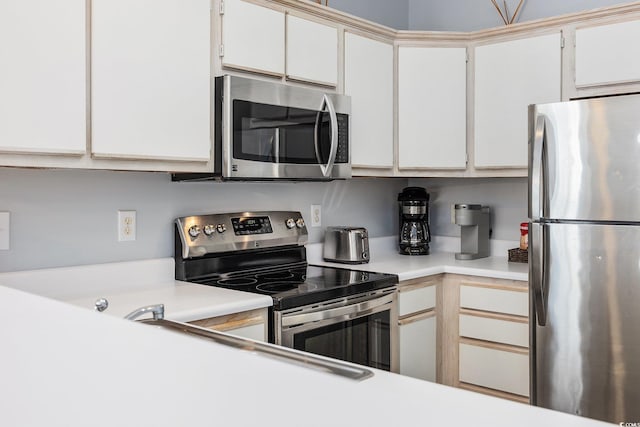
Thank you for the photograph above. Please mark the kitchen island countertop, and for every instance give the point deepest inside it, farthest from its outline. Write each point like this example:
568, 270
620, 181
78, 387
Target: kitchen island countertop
128, 286
68, 366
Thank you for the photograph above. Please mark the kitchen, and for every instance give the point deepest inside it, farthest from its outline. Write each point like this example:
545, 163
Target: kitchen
88, 204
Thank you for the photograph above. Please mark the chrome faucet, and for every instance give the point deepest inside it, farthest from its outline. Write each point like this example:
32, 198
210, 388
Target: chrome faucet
157, 310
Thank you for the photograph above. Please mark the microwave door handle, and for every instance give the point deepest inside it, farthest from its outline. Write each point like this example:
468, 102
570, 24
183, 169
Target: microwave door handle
316, 142
333, 151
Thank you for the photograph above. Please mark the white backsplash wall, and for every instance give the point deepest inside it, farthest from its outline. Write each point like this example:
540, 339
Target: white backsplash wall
507, 198
69, 217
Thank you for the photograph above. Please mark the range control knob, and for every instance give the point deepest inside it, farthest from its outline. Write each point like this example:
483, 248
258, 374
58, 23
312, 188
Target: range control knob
194, 231
300, 223
290, 223
221, 228
209, 229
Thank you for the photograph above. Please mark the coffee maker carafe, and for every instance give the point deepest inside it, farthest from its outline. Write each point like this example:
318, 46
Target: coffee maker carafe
414, 233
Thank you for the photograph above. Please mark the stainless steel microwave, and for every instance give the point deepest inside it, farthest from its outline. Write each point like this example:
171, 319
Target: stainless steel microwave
269, 131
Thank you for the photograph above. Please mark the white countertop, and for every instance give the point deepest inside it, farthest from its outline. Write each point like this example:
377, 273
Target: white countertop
63, 366
386, 259
131, 285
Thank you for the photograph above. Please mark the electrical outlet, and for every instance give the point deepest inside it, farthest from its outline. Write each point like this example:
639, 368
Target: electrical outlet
316, 215
126, 226
4, 231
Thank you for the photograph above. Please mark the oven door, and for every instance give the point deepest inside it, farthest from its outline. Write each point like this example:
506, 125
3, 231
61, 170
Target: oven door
273, 131
362, 329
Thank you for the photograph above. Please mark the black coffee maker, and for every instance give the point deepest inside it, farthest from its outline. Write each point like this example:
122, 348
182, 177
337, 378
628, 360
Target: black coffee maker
414, 235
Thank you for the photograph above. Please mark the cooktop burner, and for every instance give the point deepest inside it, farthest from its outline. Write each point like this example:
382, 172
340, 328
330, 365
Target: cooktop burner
237, 281
276, 287
298, 286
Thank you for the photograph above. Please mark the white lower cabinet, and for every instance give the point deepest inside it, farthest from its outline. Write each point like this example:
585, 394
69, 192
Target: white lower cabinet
417, 326
495, 368
254, 332
247, 324
493, 336
418, 346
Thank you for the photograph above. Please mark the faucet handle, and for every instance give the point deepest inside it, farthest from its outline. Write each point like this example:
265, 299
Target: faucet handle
101, 304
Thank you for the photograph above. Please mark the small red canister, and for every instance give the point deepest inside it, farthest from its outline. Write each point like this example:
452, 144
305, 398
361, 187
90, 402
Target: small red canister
524, 235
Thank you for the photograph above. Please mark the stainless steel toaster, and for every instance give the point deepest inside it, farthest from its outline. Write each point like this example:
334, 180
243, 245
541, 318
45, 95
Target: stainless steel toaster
349, 245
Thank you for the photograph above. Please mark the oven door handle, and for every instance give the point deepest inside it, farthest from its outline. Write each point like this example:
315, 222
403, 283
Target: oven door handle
352, 311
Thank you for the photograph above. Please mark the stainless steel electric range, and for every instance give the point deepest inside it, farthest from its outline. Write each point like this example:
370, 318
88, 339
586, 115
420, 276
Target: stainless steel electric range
346, 314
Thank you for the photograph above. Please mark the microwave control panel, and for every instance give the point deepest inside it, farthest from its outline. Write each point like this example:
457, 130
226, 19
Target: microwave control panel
342, 156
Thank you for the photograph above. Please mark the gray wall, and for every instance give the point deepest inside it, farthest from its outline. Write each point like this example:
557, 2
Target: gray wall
471, 15
392, 13
61, 218
507, 198
457, 15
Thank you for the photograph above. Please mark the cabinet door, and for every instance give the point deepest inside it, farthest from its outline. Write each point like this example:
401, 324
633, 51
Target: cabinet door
43, 76
312, 51
150, 79
603, 55
248, 324
418, 347
508, 77
368, 79
254, 332
432, 108
252, 37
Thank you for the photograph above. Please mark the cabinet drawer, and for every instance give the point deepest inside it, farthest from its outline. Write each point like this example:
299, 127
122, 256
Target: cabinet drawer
415, 300
496, 330
496, 300
496, 369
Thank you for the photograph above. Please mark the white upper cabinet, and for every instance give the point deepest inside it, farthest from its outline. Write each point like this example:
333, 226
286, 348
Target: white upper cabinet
43, 76
508, 77
312, 51
368, 79
603, 54
150, 79
253, 37
431, 108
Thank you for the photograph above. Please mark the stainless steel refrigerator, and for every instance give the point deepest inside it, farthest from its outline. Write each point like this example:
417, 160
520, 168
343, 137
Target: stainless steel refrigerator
584, 257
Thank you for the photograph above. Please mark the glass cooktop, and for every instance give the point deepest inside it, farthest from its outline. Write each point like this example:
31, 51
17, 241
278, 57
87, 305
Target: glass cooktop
303, 284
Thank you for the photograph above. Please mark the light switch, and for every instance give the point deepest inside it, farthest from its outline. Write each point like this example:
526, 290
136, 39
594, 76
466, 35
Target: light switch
4, 231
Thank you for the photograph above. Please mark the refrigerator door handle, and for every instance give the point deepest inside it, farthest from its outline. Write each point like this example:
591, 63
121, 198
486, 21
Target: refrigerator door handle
537, 171
537, 270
